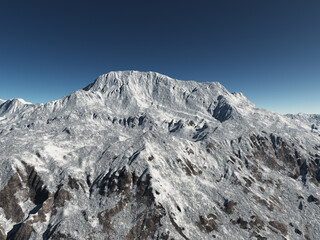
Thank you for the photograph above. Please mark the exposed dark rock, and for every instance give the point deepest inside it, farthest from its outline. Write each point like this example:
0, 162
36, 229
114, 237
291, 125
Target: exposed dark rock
164, 236
264, 203
279, 226
311, 198
144, 193
243, 224
106, 216
125, 181
189, 151
200, 134
60, 197
245, 190
207, 224
191, 123
210, 147
190, 168
73, 183
49, 231
178, 229
38, 193
21, 231
233, 160
257, 223
35, 191
273, 149
248, 182
67, 130
174, 127
223, 110
307, 237
9, 202
303, 169
147, 224
141, 120
264, 151
88, 180
131, 189
229, 206
134, 157
296, 230
3, 234
44, 208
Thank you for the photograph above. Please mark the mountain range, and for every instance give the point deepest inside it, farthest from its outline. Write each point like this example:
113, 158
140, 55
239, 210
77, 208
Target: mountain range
139, 155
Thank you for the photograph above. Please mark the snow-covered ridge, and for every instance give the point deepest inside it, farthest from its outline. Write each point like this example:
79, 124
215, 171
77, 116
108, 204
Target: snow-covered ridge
12, 106
144, 89
20, 100
138, 91
134, 92
310, 118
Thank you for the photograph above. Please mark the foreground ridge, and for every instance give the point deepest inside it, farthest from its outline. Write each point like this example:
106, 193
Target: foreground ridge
139, 155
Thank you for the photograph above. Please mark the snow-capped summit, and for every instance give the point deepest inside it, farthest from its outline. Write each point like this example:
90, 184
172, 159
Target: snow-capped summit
139, 155
12, 105
146, 89
134, 92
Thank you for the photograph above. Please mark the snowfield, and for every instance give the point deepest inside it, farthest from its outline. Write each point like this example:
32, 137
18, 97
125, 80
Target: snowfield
139, 155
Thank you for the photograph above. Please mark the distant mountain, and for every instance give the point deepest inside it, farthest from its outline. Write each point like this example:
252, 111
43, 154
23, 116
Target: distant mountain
11, 106
313, 120
139, 155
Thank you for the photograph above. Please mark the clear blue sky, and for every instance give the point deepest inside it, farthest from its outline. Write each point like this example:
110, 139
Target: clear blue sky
267, 49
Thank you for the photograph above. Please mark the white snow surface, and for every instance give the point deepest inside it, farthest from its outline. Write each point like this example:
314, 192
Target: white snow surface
198, 137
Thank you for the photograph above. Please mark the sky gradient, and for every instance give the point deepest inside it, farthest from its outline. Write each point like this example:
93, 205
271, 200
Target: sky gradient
267, 49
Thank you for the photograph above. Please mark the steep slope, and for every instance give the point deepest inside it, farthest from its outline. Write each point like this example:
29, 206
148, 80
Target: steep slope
138, 155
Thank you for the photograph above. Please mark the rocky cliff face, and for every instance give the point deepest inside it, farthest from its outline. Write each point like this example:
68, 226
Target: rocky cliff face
139, 155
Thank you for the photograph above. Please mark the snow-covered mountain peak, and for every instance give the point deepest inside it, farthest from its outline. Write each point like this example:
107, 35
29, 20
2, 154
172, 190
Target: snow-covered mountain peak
147, 81
18, 101
132, 78
130, 93
137, 91
12, 105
